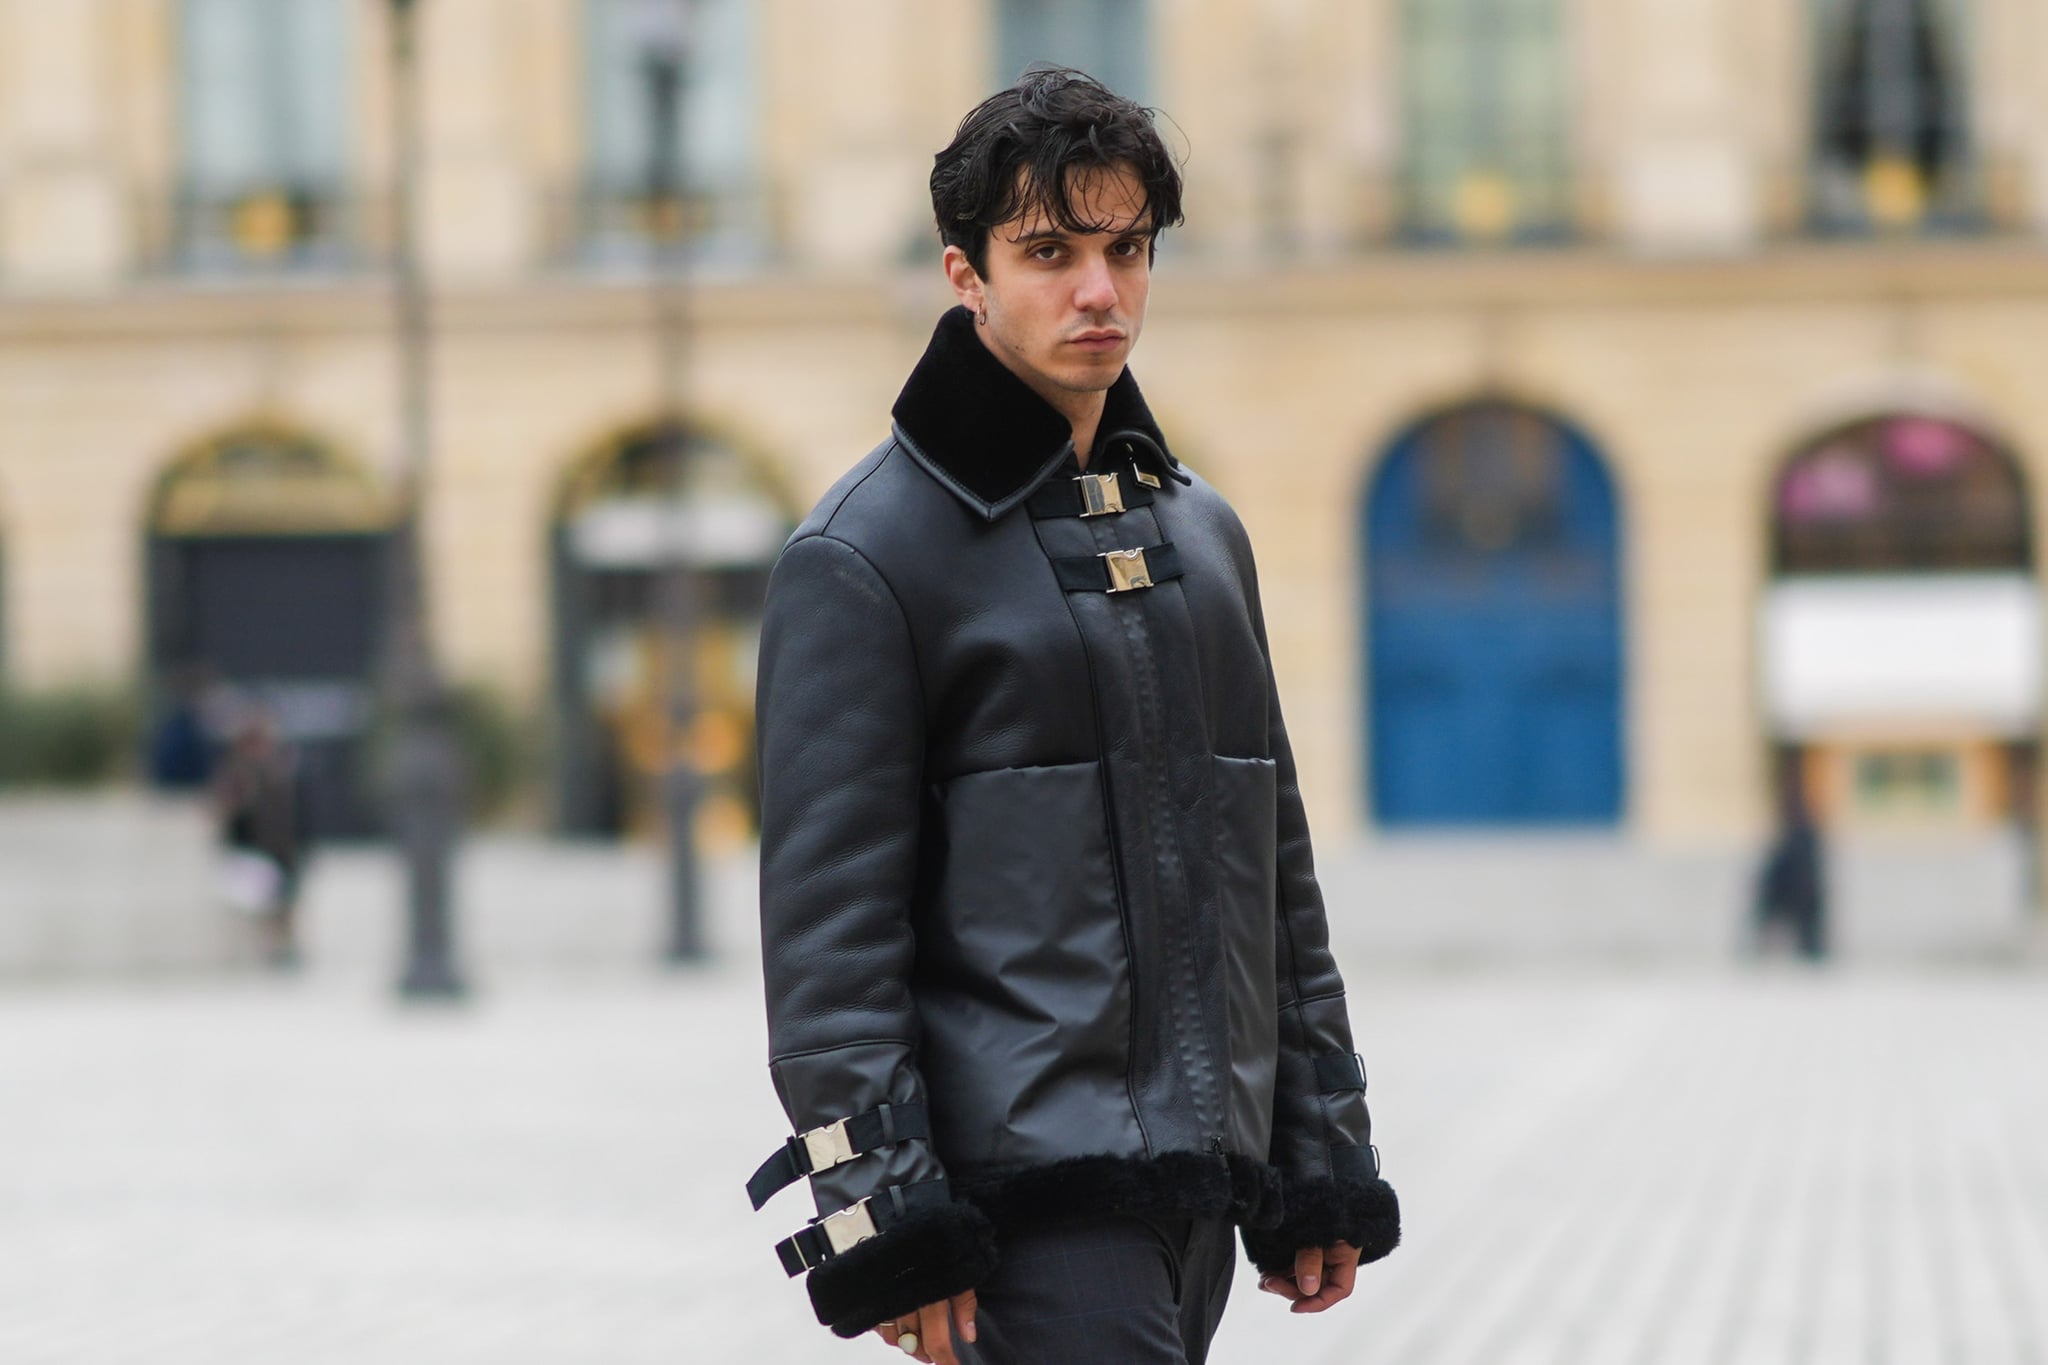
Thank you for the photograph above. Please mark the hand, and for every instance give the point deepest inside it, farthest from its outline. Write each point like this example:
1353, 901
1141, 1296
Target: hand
1322, 1276
934, 1325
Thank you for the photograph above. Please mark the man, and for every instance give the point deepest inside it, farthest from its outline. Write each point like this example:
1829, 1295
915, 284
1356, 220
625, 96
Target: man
1051, 1004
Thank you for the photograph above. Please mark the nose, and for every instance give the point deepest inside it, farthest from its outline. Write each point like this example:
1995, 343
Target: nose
1095, 290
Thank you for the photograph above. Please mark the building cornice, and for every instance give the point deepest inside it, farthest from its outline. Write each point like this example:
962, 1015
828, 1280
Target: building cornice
1358, 285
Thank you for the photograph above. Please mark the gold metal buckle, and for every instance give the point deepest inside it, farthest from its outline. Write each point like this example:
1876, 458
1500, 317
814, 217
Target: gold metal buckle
1100, 494
849, 1227
828, 1146
1127, 570
1149, 480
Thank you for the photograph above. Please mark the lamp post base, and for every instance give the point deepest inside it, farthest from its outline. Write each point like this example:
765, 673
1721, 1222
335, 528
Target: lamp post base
686, 945
428, 813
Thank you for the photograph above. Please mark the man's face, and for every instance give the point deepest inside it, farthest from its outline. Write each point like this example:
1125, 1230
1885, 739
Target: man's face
1064, 309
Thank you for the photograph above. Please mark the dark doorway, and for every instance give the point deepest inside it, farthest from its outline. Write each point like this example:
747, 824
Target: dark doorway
266, 561
626, 517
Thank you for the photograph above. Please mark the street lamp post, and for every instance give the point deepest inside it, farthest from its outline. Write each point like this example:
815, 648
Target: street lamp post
426, 770
662, 34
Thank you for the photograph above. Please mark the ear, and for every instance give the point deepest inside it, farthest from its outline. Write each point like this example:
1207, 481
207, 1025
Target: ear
966, 283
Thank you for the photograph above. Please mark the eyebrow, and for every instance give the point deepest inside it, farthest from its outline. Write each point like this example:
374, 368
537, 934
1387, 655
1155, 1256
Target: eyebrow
1059, 234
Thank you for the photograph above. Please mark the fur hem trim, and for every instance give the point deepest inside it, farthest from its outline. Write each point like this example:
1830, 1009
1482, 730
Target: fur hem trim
1196, 1184
927, 1257
1325, 1211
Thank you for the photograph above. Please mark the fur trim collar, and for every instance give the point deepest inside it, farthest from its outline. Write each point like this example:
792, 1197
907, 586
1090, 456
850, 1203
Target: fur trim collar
982, 433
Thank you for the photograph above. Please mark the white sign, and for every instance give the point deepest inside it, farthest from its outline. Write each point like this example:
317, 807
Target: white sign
1905, 651
710, 530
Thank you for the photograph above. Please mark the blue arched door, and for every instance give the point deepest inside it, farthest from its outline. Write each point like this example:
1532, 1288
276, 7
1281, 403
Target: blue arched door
1493, 642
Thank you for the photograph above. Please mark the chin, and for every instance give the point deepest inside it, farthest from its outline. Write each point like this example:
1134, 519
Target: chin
1096, 372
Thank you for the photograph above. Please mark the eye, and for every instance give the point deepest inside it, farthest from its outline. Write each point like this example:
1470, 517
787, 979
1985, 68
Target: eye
1045, 251
1129, 247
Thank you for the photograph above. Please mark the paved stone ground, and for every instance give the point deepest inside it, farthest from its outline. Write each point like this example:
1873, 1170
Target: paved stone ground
1599, 1167
125, 884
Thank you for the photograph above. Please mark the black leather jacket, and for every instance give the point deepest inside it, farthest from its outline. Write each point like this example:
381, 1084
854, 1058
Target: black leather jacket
1035, 873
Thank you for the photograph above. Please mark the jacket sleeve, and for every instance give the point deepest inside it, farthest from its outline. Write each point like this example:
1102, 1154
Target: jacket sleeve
1322, 1131
840, 720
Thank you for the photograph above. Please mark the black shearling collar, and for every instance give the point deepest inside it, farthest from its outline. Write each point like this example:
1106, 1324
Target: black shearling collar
982, 433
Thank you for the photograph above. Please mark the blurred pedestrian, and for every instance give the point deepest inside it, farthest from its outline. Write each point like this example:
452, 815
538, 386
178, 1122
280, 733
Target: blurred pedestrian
1791, 890
1050, 996
262, 824
181, 747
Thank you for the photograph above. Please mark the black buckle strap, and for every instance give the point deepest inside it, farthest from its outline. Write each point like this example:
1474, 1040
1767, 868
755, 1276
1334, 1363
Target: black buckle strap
1339, 1071
821, 1239
1088, 495
1118, 570
820, 1149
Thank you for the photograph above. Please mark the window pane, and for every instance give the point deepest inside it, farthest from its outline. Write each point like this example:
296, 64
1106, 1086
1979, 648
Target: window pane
225, 89
708, 45
314, 64
1891, 129
264, 92
1108, 39
264, 129
715, 113
1487, 111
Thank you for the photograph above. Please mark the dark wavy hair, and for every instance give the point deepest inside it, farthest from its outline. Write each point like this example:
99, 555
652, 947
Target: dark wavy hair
1016, 152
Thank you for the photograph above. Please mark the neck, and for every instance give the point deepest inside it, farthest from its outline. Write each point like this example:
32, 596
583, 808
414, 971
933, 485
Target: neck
1084, 427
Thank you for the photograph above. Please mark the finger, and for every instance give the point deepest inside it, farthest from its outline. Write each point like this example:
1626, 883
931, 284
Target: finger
910, 1337
1328, 1297
935, 1335
1340, 1268
1281, 1285
1308, 1270
965, 1305
1339, 1273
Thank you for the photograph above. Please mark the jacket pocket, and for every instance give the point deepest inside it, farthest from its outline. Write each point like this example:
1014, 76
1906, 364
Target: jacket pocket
1024, 987
1247, 889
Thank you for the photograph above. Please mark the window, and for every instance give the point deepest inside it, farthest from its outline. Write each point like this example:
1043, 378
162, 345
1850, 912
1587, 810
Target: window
1105, 38
1485, 118
1908, 782
263, 133
669, 121
1892, 145
1492, 480
1898, 494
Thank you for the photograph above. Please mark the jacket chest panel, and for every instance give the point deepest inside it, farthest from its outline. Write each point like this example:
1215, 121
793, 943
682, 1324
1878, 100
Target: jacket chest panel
1007, 679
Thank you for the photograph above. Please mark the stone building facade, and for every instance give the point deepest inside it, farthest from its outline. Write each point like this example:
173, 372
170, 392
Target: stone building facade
1654, 251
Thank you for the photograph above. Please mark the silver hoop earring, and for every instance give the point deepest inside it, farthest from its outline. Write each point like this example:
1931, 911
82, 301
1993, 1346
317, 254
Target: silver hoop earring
981, 318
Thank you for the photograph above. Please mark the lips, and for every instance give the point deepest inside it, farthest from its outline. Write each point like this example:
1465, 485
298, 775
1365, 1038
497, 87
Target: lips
1098, 341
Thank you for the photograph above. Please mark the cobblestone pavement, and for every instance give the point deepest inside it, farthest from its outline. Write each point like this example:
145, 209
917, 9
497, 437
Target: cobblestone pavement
1597, 1167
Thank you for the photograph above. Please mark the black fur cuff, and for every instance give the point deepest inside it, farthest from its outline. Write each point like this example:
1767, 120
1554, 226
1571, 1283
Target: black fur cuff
924, 1258
1361, 1210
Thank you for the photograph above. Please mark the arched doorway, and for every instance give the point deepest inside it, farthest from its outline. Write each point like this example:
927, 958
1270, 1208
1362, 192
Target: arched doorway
265, 561
621, 524
1900, 633
1494, 653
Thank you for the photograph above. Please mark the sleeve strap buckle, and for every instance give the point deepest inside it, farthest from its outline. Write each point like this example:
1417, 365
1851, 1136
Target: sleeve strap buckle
827, 1147
835, 1144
